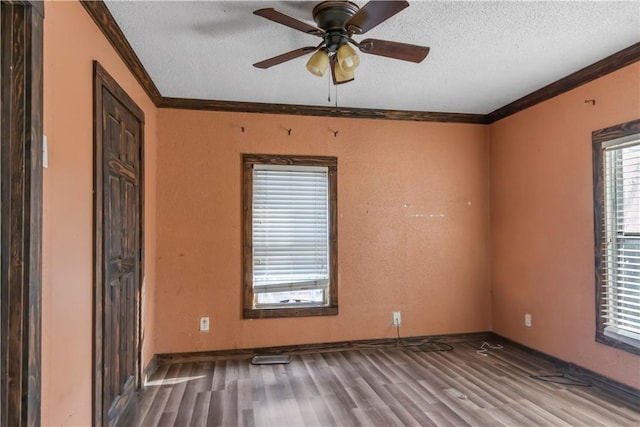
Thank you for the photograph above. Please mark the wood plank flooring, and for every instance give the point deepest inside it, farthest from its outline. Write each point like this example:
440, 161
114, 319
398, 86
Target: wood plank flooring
375, 387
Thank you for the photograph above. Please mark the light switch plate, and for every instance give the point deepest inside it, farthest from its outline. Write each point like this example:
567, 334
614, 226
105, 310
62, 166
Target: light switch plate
45, 152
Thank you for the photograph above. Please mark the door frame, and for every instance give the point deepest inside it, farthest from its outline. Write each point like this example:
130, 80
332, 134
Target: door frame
21, 65
103, 80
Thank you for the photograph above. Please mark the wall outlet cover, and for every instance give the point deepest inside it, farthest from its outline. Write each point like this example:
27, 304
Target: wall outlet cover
204, 324
527, 320
396, 319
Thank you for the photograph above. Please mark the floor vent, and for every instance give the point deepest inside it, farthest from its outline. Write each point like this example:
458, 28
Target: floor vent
278, 359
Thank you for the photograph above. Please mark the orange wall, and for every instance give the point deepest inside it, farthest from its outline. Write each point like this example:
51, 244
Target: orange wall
414, 226
71, 42
413, 222
542, 223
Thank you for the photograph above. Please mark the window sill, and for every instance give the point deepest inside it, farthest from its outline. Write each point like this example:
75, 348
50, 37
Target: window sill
612, 337
272, 313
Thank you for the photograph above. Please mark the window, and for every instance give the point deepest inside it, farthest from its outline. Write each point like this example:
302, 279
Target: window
616, 159
290, 242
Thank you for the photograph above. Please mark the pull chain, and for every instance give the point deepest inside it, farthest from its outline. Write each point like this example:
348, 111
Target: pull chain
329, 91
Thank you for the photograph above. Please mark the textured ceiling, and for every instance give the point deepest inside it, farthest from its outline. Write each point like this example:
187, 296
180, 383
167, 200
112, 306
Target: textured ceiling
484, 54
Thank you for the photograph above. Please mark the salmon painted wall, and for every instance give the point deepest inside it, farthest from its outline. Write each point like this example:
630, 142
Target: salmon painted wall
542, 223
412, 227
71, 42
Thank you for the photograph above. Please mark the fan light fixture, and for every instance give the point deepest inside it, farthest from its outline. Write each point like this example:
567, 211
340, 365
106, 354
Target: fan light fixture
348, 60
344, 61
318, 63
337, 21
340, 75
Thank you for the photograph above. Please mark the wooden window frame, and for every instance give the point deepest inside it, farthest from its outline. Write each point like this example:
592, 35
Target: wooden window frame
599, 138
248, 161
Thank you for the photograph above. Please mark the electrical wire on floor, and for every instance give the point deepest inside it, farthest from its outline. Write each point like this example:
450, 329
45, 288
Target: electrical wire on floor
486, 346
561, 378
424, 345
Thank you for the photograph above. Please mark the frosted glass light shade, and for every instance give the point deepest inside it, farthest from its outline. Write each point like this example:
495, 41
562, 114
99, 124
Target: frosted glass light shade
318, 63
342, 76
348, 60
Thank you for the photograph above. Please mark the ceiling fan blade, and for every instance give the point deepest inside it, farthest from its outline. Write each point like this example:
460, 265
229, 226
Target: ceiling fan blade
403, 51
372, 14
288, 21
285, 57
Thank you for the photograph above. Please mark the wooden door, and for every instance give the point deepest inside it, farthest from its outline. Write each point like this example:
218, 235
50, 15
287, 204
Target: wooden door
120, 229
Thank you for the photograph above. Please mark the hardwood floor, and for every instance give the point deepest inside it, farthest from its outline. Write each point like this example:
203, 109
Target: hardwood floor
375, 387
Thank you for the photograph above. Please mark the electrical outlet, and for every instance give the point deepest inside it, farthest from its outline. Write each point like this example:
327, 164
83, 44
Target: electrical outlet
396, 319
527, 320
204, 324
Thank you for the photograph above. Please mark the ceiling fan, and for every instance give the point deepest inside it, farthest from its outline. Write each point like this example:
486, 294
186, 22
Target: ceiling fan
337, 22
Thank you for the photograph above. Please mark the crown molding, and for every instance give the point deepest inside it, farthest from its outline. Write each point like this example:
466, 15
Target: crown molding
592, 72
110, 28
309, 110
107, 24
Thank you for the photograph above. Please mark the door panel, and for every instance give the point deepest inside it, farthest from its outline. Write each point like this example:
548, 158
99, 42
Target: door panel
122, 264
119, 230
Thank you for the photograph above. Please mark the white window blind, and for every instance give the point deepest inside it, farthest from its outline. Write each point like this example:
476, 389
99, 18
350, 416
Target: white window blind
621, 275
290, 231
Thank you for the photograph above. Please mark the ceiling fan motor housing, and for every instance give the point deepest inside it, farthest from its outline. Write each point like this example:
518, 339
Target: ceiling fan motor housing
332, 17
